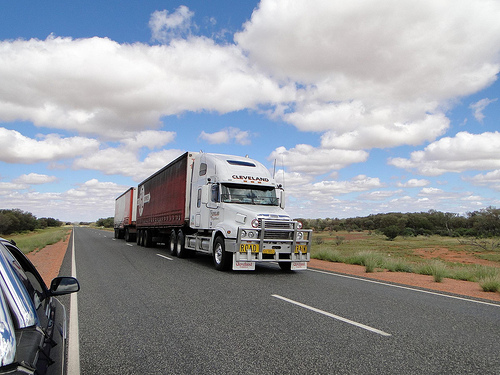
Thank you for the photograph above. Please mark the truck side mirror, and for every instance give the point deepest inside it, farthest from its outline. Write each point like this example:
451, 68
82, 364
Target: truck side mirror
205, 193
282, 199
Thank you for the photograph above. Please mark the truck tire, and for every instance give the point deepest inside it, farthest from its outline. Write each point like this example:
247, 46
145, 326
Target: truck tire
222, 259
181, 250
148, 238
285, 266
116, 233
172, 245
139, 238
127, 235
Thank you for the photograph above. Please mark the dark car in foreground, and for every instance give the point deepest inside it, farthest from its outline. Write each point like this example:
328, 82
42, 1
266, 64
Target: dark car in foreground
32, 321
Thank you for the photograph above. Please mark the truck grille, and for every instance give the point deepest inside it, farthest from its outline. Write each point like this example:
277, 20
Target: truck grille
277, 235
284, 230
276, 224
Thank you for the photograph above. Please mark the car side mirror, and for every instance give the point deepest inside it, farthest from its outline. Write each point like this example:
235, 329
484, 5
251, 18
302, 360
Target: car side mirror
64, 285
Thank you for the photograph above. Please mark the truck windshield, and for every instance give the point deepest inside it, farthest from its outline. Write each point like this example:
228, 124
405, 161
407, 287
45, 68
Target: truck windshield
249, 195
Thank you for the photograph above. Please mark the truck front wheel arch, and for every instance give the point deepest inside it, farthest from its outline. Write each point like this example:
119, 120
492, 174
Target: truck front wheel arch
222, 259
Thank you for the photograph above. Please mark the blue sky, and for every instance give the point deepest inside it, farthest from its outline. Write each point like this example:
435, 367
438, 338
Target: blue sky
367, 106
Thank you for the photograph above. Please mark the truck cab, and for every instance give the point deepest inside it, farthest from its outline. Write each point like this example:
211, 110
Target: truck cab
237, 214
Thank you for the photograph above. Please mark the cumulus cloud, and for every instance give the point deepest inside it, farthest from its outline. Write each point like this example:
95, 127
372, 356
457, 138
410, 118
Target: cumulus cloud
456, 154
490, 179
35, 179
227, 135
479, 107
165, 27
148, 138
412, 183
375, 74
17, 148
98, 86
126, 162
379, 195
308, 159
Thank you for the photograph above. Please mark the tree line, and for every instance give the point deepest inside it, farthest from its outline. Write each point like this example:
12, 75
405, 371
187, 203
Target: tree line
15, 221
484, 223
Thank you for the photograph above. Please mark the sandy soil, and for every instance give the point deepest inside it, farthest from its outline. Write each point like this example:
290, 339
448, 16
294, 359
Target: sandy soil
48, 262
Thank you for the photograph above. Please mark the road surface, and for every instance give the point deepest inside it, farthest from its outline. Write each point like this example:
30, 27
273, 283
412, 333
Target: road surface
142, 311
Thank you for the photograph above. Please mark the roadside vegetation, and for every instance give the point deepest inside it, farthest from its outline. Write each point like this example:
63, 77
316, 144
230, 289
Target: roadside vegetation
17, 221
39, 238
438, 256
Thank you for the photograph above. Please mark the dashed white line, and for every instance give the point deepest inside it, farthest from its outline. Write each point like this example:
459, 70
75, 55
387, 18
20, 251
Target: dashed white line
163, 256
360, 325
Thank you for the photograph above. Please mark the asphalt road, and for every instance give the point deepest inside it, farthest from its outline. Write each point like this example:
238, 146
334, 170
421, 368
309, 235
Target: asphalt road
141, 311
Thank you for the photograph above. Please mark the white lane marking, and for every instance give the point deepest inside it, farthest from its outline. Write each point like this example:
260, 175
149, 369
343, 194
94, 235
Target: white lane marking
360, 325
164, 256
404, 287
73, 340
129, 244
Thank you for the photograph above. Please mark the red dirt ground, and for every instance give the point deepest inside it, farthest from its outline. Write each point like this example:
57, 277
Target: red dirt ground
48, 262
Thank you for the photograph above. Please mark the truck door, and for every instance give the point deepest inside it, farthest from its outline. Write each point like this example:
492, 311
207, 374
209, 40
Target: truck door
198, 181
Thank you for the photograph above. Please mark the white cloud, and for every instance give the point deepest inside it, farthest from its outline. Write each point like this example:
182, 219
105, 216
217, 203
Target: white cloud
413, 183
35, 179
308, 159
98, 86
364, 42
490, 179
165, 27
125, 162
149, 138
379, 195
479, 107
375, 74
456, 154
17, 148
226, 136
356, 184
88, 201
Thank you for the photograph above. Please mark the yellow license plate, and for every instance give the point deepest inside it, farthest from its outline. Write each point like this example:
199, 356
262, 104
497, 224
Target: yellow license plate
246, 247
300, 249
268, 251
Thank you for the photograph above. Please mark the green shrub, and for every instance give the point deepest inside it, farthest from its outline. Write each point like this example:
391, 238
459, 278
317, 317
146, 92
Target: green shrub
490, 284
391, 232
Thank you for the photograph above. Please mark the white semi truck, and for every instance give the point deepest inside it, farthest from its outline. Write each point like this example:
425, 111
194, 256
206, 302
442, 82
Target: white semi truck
227, 206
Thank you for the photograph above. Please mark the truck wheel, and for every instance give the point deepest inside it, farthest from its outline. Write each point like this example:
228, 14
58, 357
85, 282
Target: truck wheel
222, 259
127, 235
285, 266
173, 242
116, 233
148, 238
181, 250
139, 238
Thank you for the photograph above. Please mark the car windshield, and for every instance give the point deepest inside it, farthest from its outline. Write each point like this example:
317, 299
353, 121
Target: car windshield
262, 195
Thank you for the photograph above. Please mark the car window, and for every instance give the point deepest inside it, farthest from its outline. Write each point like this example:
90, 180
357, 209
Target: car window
17, 296
27, 275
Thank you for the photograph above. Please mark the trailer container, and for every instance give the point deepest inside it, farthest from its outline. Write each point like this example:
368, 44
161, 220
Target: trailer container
125, 215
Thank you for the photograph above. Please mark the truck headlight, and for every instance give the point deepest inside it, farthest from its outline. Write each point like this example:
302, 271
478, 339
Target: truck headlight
300, 235
251, 234
243, 233
255, 223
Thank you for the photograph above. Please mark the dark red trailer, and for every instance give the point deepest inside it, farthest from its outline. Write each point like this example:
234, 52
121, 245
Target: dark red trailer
162, 200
